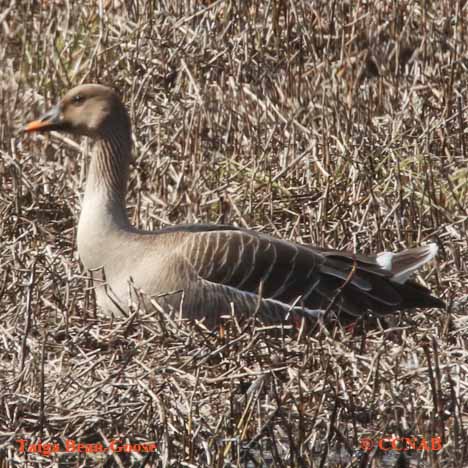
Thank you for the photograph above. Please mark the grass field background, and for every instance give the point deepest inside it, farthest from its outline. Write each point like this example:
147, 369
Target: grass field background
339, 124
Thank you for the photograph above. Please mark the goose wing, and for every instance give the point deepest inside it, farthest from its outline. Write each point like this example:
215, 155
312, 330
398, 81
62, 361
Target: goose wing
290, 273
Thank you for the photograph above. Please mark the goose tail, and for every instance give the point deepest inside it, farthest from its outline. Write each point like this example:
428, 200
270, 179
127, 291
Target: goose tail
403, 264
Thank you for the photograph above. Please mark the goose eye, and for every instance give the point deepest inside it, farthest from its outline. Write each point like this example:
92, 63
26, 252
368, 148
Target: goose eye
78, 99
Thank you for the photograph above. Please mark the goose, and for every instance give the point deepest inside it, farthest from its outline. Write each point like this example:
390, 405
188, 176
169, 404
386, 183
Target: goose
204, 271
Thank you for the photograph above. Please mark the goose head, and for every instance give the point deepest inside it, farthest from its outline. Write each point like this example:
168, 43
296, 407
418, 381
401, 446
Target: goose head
90, 109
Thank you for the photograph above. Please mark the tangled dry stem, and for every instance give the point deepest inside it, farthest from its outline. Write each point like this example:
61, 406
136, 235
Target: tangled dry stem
339, 124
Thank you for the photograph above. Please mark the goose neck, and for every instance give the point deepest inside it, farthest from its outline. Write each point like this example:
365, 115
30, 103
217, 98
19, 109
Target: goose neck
106, 186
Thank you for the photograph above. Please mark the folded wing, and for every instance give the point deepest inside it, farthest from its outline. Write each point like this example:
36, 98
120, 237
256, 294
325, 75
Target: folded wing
286, 273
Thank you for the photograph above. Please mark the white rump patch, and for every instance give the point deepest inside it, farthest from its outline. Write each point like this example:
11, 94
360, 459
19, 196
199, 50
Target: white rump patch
433, 249
403, 264
384, 260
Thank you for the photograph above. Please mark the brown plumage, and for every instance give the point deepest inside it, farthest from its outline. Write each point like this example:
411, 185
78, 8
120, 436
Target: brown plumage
206, 271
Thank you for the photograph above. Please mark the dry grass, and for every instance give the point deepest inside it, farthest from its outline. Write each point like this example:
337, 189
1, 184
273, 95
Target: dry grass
340, 124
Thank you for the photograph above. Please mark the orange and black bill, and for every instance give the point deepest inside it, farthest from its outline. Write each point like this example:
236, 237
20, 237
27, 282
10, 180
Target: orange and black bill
48, 122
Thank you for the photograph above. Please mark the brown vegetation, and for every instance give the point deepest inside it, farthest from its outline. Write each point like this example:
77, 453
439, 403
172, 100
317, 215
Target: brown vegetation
340, 124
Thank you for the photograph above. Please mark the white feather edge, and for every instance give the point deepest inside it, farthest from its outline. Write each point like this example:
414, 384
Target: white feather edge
385, 260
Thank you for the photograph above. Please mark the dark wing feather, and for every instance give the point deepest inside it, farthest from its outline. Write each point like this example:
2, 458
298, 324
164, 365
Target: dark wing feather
289, 272
249, 261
